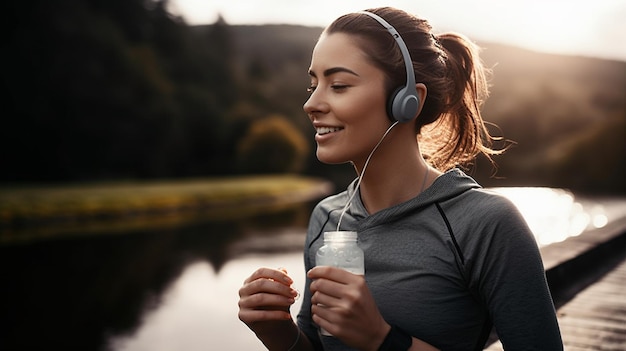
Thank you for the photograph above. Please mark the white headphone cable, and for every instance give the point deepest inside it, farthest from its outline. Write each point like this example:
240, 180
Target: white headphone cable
358, 183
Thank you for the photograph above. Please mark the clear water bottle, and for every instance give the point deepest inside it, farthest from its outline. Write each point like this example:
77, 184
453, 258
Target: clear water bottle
341, 250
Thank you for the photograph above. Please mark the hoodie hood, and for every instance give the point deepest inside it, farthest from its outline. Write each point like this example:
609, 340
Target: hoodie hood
448, 185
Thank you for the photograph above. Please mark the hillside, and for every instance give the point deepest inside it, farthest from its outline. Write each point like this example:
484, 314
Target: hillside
549, 105
118, 90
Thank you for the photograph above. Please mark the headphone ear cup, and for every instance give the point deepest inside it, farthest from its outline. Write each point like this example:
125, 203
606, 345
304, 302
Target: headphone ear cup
404, 104
390, 104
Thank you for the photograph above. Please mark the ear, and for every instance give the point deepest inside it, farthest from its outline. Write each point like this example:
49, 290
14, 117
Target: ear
422, 91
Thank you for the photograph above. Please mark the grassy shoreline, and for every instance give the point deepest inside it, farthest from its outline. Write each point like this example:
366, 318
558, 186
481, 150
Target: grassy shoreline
31, 211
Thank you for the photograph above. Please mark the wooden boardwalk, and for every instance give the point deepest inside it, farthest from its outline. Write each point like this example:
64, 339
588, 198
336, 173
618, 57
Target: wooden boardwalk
596, 318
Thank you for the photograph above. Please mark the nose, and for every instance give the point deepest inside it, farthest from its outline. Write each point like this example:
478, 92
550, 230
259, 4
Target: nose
308, 105
315, 104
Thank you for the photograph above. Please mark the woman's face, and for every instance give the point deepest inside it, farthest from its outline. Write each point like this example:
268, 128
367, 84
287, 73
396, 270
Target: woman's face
347, 105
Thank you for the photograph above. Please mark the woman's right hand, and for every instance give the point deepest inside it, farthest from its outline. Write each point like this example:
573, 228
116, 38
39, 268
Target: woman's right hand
265, 298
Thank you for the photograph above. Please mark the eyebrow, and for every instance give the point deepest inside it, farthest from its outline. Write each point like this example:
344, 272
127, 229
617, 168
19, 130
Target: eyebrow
334, 70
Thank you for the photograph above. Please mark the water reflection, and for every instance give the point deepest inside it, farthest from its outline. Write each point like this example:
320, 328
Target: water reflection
554, 215
199, 311
77, 293
176, 288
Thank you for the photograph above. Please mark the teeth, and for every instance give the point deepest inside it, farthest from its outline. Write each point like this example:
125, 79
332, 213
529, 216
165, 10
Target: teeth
326, 130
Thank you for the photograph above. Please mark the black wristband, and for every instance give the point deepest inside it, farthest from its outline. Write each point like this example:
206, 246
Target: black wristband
396, 340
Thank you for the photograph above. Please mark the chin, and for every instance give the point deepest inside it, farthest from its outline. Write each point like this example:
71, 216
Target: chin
330, 158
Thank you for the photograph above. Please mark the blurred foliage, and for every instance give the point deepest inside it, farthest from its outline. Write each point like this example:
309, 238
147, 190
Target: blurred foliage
114, 89
39, 211
121, 89
272, 145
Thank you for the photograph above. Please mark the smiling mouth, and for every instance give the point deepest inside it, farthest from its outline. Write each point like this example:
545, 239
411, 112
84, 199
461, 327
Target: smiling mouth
327, 130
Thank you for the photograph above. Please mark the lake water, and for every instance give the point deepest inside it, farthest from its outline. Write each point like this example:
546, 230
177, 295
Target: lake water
176, 288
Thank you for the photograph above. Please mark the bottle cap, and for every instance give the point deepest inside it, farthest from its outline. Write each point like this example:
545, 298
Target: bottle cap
340, 236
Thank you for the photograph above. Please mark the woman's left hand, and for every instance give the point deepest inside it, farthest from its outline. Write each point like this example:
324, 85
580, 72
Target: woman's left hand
343, 305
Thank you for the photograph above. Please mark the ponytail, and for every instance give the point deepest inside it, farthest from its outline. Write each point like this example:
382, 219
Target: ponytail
459, 134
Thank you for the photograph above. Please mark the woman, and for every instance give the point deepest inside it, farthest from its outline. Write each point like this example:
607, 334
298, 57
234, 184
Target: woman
445, 260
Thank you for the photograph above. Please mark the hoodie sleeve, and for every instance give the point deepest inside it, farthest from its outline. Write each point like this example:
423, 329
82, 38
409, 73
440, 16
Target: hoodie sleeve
508, 276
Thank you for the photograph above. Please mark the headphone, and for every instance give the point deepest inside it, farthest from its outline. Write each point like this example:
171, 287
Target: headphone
404, 102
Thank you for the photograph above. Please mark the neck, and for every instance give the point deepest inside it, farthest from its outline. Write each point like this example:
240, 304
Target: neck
392, 178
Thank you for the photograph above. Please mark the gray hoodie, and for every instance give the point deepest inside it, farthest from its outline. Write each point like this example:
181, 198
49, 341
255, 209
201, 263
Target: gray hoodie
445, 267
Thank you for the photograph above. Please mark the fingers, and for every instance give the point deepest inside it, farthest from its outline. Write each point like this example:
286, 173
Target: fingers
250, 316
337, 296
266, 295
266, 285
334, 281
262, 292
333, 273
279, 275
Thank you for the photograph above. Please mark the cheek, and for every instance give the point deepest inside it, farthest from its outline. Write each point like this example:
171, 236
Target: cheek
368, 110
365, 123
373, 119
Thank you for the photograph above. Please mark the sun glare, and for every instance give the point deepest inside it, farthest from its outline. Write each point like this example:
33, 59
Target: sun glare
553, 215
557, 26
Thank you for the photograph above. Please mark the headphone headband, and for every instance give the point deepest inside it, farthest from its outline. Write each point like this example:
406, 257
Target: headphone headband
405, 103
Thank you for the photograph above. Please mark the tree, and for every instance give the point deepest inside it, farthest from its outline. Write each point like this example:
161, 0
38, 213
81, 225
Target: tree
272, 145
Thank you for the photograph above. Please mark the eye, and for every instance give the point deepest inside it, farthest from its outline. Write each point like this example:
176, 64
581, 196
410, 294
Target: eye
339, 87
311, 88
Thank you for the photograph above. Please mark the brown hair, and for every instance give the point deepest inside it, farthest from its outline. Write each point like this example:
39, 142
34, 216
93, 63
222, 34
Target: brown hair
450, 127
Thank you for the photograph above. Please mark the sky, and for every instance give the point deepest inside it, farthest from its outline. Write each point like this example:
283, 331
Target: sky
595, 28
